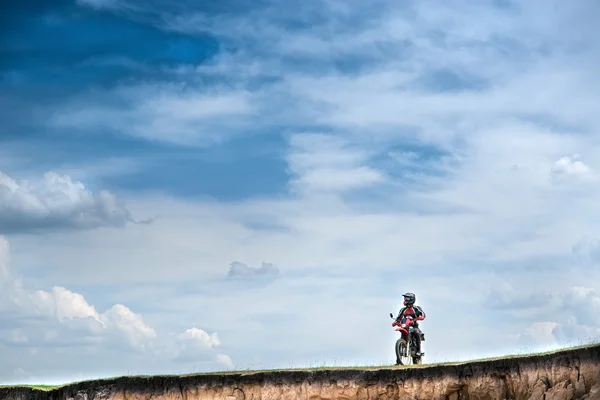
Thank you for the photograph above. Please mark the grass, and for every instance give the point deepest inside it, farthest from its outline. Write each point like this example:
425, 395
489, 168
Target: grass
36, 387
581, 345
332, 368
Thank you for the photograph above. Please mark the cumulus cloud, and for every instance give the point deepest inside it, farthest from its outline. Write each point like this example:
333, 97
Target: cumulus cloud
131, 325
241, 270
198, 337
570, 167
63, 305
567, 318
224, 359
70, 314
54, 202
61, 317
195, 344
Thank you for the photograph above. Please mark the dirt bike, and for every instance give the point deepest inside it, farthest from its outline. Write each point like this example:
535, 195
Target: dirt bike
406, 346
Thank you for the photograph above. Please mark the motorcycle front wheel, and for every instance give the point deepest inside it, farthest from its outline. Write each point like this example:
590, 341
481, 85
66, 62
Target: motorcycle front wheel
402, 352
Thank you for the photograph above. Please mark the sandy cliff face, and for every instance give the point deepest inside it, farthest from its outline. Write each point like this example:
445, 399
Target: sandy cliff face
568, 374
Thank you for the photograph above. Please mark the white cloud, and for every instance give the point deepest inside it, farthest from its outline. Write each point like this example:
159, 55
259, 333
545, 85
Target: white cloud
542, 331
584, 305
325, 163
569, 317
224, 359
173, 114
63, 304
56, 202
67, 318
491, 208
238, 269
199, 337
403, 46
139, 334
571, 166
193, 345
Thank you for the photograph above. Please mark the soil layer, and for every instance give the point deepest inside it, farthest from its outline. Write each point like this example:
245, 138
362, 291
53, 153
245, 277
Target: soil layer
570, 374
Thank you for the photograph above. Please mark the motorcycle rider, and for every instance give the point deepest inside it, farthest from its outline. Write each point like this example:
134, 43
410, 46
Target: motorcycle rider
418, 315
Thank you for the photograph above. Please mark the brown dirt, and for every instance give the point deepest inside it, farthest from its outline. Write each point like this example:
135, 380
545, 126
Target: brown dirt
572, 374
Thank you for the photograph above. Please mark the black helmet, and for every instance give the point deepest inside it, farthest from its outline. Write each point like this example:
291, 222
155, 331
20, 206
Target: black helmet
409, 299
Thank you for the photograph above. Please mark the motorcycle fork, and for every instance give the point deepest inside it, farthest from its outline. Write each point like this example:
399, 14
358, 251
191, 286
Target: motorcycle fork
408, 348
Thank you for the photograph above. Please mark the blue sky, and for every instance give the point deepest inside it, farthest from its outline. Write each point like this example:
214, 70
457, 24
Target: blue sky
224, 186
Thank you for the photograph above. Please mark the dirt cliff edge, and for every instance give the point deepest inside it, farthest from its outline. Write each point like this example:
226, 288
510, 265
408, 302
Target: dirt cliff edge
566, 374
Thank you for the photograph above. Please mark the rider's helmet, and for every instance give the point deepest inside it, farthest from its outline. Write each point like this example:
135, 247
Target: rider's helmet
409, 299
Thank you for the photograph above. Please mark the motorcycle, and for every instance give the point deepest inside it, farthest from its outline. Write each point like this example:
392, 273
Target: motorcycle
406, 346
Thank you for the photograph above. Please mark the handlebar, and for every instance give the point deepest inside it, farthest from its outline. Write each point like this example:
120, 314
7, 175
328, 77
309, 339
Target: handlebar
406, 321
